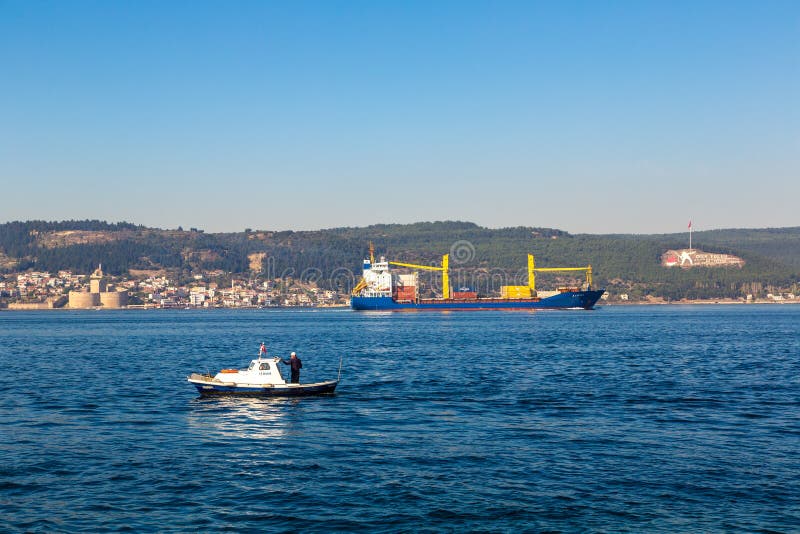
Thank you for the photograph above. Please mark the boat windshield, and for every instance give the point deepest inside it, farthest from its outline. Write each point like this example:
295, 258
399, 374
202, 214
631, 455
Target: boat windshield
252, 364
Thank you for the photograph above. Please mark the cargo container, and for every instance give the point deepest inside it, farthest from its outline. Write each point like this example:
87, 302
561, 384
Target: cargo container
406, 293
515, 292
568, 289
462, 295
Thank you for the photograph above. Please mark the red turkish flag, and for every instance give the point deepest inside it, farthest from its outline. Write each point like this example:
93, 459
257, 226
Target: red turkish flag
690, 224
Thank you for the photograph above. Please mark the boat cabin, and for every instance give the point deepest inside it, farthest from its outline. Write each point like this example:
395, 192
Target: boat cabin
260, 371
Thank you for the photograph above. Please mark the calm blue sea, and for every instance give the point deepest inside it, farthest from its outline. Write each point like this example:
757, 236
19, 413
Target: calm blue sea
640, 419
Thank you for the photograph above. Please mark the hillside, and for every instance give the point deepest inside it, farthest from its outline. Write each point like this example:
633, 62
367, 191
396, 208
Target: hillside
479, 256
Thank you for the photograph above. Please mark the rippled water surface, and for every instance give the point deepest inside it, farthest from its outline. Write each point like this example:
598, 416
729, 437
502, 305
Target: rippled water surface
621, 419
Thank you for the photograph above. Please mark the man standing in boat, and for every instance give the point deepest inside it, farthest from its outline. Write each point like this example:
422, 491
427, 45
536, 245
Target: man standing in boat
296, 365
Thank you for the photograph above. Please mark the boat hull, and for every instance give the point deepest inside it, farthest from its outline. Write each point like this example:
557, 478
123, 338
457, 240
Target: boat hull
210, 389
567, 300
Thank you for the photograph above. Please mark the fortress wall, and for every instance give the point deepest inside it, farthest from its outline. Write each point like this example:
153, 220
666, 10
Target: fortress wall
114, 299
80, 299
30, 306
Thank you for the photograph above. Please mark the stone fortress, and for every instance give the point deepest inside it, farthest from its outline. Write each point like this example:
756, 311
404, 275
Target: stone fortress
99, 294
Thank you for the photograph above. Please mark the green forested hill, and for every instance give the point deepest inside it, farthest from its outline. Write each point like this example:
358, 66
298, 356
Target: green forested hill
627, 263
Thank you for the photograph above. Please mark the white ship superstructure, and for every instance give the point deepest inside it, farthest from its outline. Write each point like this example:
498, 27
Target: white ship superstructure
377, 278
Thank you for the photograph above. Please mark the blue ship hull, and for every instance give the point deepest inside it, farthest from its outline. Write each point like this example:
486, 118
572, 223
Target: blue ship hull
570, 299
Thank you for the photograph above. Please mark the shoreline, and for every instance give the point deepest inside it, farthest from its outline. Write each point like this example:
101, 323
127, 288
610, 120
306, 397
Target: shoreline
29, 307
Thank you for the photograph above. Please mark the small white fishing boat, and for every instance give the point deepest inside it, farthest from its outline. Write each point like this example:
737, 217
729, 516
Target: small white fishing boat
262, 378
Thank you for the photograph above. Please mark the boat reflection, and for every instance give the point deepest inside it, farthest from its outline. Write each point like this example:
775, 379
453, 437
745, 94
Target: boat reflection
254, 418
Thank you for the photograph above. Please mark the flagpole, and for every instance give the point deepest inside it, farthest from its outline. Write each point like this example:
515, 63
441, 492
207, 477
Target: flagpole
690, 236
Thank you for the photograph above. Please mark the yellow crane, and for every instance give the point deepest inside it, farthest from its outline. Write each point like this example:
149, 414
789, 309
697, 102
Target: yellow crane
359, 286
363, 283
445, 268
532, 272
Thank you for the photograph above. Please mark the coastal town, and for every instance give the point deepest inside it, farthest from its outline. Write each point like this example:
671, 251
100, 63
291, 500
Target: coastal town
213, 289
36, 290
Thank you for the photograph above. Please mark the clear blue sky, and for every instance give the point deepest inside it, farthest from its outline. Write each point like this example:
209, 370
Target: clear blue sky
588, 116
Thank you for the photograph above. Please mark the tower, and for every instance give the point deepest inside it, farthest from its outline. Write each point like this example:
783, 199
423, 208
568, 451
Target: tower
96, 282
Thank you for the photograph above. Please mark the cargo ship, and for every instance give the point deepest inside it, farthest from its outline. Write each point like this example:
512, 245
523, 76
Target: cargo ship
381, 289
